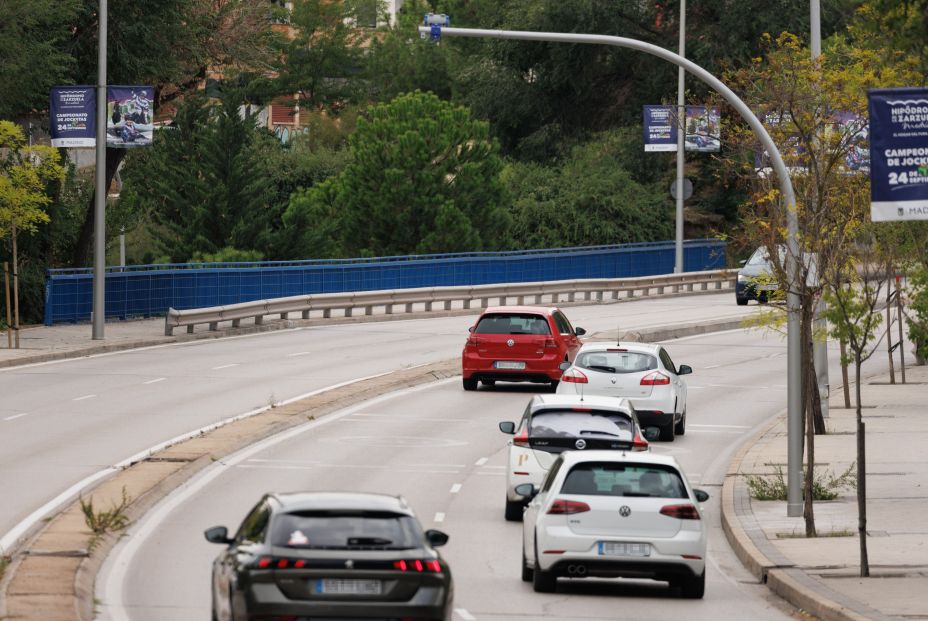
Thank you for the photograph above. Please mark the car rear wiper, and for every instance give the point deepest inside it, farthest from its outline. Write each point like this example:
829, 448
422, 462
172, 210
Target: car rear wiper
598, 433
602, 368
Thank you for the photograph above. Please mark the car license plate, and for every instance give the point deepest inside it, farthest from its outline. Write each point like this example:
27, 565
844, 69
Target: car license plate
767, 287
328, 586
508, 364
619, 548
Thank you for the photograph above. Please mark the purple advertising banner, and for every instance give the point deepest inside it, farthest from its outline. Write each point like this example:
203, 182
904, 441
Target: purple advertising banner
129, 116
71, 116
703, 131
898, 154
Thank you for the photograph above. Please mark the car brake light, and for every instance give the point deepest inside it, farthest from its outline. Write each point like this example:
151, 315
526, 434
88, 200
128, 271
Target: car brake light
581, 409
417, 565
551, 343
472, 341
573, 376
264, 562
616, 350
639, 443
568, 507
681, 512
282, 563
655, 379
522, 438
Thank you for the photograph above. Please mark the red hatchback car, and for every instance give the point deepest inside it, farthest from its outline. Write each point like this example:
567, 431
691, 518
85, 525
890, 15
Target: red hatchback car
518, 344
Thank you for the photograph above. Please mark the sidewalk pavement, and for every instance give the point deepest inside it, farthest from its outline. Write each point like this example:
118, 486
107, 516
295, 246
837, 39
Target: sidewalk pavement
822, 575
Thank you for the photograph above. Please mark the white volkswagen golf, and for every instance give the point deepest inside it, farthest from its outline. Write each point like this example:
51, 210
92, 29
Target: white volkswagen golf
552, 424
643, 373
612, 514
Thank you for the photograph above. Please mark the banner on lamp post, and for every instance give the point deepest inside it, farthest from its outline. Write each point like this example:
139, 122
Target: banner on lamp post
660, 129
898, 154
702, 126
72, 116
129, 116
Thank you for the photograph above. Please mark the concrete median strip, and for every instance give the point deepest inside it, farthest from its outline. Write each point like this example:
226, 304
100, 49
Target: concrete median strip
53, 568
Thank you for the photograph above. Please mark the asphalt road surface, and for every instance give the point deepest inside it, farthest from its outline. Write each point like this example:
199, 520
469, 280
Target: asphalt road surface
440, 447
63, 422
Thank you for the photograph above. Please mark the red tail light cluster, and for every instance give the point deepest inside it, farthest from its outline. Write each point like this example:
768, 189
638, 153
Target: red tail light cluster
568, 507
550, 343
639, 443
681, 512
574, 376
522, 438
472, 341
655, 378
416, 565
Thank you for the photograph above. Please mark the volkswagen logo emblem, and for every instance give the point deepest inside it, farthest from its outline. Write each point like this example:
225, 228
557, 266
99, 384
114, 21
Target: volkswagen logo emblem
349, 564
510, 342
625, 511
580, 444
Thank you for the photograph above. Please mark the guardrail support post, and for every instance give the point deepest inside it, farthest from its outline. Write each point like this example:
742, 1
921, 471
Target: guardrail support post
521, 300
348, 310
428, 307
284, 315
305, 314
484, 302
259, 320
368, 310
213, 326
236, 323
447, 305
388, 309
168, 329
190, 329
327, 313
467, 304
409, 307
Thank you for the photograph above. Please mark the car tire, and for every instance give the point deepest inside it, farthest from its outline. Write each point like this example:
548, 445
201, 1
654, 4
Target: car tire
695, 587
741, 301
762, 297
488, 382
542, 581
527, 572
680, 428
667, 434
470, 383
514, 510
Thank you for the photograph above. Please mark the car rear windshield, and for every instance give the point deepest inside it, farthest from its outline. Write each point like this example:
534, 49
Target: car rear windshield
616, 361
512, 323
573, 424
324, 530
614, 479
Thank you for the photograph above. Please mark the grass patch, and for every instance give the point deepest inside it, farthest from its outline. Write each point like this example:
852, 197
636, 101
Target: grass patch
101, 522
826, 485
4, 563
834, 533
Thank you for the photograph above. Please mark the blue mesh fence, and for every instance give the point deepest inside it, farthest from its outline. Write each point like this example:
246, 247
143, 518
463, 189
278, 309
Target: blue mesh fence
147, 290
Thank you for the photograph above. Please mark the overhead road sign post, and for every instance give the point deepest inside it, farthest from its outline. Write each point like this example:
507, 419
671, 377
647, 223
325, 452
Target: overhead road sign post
898, 154
793, 373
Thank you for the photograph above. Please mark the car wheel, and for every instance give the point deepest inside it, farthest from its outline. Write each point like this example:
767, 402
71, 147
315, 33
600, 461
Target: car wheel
695, 587
514, 510
488, 382
470, 383
527, 572
762, 297
741, 301
680, 428
667, 434
542, 581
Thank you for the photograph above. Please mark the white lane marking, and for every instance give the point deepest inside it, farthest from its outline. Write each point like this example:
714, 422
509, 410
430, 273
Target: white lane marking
15, 416
319, 463
721, 426
380, 418
110, 579
344, 466
155, 381
9, 539
718, 431
712, 366
439, 518
298, 353
225, 366
481, 461
462, 612
455, 488
84, 397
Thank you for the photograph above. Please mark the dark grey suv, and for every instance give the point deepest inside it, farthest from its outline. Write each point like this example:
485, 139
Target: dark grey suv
330, 555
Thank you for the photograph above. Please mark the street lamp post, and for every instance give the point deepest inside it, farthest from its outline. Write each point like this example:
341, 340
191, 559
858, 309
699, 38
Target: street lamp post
99, 213
793, 373
681, 133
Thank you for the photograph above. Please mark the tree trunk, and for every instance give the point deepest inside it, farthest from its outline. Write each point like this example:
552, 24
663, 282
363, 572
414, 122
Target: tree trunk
82, 254
861, 478
844, 376
889, 323
810, 400
15, 326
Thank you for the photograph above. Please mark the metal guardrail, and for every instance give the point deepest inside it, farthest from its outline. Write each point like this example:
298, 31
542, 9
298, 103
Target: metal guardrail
553, 292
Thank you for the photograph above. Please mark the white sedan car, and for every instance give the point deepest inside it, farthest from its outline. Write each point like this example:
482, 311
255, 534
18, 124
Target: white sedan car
611, 514
552, 424
643, 373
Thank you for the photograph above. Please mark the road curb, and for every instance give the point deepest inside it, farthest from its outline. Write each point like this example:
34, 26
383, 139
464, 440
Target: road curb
766, 563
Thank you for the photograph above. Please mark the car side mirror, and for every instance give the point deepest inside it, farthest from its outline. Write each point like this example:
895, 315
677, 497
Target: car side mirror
217, 534
436, 538
564, 366
701, 496
579, 331
470, 329
507, 426
684, 369
652, 433
742, 261
526, 490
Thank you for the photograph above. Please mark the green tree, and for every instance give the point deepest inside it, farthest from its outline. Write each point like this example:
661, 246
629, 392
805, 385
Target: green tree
33, 34
423, 176
25, 173
202, 182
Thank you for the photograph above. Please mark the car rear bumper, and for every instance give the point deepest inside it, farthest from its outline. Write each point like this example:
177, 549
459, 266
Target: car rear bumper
267, 602
655, 418
543, 369
624, 568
